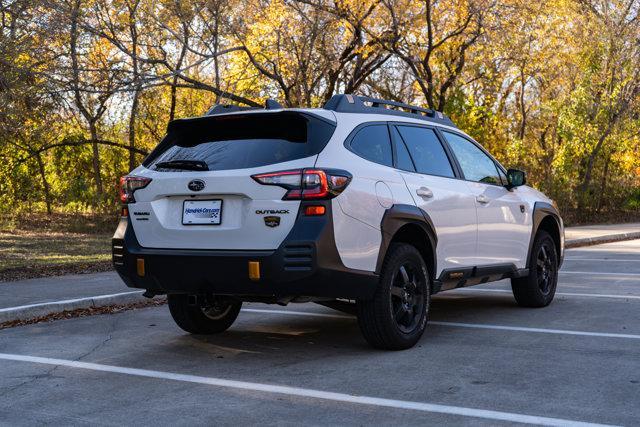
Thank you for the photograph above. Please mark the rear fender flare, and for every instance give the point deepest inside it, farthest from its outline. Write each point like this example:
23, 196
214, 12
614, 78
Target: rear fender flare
398, 216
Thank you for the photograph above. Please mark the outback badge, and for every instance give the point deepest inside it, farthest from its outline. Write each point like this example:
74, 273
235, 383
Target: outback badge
272, 221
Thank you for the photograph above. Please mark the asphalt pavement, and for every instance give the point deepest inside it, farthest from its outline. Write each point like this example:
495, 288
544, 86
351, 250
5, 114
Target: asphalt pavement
482, 361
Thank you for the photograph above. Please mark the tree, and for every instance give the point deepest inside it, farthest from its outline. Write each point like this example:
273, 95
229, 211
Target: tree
434, 38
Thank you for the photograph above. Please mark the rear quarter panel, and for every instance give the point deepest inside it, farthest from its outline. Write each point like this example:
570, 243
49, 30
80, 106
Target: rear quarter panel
358, 211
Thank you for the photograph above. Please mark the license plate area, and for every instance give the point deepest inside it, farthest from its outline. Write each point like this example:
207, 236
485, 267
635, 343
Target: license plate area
202, 212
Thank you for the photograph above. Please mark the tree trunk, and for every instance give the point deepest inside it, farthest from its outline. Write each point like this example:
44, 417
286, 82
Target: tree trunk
174, 83
588, 169
45, 183
96, 160
132, 129
133, 30
603, 183
89, 117
172, 108
523, 109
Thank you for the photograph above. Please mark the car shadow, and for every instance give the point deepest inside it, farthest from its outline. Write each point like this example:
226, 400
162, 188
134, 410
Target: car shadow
265, 333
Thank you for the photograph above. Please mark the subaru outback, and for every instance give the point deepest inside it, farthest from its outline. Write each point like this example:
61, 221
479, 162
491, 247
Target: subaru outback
366, 204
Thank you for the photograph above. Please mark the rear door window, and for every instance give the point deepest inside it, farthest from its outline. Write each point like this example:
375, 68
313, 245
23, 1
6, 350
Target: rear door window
403, 159
426, 151
240, 141
373, 143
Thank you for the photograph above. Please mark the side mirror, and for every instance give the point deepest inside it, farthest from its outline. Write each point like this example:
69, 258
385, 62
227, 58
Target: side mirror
515, 178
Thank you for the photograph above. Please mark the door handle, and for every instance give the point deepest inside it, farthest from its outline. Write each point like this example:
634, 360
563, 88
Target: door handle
424, 192
482, 199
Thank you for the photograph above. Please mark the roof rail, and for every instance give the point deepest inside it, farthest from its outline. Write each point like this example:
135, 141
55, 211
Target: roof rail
270, 104
347, 103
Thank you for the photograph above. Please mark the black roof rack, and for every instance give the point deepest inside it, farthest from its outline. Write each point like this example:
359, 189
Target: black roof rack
347, 103
270, 104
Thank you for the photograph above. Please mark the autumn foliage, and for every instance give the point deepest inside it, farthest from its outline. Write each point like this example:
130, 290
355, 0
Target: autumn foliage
87, 87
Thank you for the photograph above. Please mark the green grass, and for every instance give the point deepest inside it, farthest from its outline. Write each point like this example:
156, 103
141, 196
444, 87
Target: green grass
39, 245
77, 223
20, 249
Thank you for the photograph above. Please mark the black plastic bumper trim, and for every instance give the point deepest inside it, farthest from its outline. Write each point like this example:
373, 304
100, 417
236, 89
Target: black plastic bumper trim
306, 264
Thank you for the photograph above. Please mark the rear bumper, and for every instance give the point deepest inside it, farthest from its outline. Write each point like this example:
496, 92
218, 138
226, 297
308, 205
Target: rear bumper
306, 264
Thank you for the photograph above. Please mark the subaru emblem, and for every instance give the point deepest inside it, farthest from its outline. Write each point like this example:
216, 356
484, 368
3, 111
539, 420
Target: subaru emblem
196, 185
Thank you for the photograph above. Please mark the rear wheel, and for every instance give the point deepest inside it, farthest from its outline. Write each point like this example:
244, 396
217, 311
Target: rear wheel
539, 287
396, 317
215, 314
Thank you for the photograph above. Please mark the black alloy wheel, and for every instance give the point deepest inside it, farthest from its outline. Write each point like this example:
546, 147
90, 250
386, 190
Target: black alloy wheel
539, 287
396, 317
546, 267
407, 297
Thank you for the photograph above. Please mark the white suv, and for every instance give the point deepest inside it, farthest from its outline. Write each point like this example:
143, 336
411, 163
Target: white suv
364, 200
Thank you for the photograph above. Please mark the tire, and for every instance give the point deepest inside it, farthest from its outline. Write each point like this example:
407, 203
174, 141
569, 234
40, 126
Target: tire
539, 287
396, 317
215, 316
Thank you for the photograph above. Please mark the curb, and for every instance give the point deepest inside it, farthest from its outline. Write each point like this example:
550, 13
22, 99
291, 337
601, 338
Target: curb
609, 238
33, 311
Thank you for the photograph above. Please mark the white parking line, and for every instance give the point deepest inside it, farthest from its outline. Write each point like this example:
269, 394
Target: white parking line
599, 273
463, 325
303, 392
536, 330
569, 294
603, 259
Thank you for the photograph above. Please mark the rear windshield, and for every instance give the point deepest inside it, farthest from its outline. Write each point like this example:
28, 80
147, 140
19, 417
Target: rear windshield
241, 141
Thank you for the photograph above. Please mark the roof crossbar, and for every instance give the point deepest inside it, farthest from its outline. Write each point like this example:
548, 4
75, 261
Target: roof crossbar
347, 103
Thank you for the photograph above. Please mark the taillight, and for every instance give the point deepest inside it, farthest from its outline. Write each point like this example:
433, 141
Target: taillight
129, 184
307, 184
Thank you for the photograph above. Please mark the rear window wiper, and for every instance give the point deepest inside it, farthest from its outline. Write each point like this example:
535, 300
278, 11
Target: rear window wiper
190, 165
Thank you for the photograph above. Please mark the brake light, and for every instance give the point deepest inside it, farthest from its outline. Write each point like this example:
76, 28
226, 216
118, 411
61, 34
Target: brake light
307, 184
129, 184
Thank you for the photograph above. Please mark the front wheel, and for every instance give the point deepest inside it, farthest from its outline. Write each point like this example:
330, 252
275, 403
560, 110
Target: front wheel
216, 314
539, 287
397, 315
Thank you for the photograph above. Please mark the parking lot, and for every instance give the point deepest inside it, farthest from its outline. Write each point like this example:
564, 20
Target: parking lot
483, 360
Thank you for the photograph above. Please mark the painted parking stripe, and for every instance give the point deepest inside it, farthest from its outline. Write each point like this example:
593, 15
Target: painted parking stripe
536, 330
603, 259
303, 392
568, 294
599, 273
463, 325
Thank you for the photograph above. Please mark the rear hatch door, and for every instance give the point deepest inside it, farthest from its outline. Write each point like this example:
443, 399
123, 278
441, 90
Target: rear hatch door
201, 194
